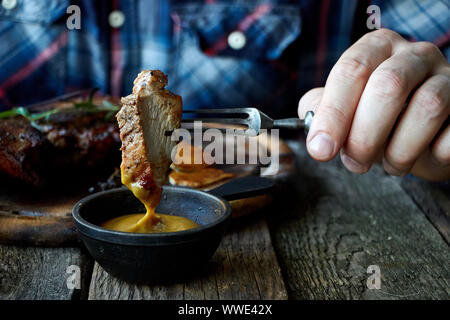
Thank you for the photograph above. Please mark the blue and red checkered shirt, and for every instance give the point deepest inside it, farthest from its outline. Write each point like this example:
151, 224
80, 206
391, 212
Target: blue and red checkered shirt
290, 46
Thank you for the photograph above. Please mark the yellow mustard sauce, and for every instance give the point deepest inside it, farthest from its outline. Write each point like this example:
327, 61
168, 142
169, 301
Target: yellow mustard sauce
150, 222
139, 223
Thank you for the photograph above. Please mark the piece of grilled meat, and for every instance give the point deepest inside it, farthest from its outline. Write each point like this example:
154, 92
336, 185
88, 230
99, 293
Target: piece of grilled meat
68, 143
147, 113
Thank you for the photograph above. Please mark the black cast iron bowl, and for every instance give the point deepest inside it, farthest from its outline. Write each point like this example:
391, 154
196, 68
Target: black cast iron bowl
161, 257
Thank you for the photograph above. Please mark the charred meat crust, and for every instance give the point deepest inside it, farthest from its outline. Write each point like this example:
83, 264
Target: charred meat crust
144, 113
69, 142
133, 152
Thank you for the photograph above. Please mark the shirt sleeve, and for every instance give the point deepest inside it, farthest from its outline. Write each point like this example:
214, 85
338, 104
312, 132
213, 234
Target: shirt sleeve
424, 20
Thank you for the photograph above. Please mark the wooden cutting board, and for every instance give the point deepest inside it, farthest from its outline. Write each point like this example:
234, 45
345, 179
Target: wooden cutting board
43, 217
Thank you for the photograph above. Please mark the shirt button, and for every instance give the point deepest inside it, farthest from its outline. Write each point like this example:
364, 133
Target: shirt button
9, 4
236, 40
116, 19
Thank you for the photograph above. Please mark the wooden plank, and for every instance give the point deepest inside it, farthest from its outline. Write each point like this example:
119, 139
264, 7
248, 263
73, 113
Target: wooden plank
433, 199
244, 267
337, 224
41, 217
34, 273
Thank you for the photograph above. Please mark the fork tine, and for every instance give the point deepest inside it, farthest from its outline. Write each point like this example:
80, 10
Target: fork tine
252, 119
168, 133
227, 110
218, 120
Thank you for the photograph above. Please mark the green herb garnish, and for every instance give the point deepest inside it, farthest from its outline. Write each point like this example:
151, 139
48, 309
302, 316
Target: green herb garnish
87, 106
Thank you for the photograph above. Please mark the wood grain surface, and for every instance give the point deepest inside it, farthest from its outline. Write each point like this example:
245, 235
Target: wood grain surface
433, 199
38, 217
244, 267
326, 227
340, 223
41, 273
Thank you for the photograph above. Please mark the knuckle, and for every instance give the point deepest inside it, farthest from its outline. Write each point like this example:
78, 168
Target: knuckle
443, 159
373, 41
384, 33
424, 48
351, 69
393, 170
442, 155
335, 112
432, 103
400, 161
360, 148
388, 83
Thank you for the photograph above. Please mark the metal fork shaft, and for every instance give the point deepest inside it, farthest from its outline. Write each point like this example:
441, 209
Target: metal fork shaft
217, 120
264, 121
289, 123
295, 123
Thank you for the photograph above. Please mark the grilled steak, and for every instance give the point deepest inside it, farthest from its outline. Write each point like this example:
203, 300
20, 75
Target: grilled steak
23, 150
67, 143
143, 119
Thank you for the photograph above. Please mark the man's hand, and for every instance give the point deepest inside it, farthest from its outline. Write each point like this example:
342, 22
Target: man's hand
386, 98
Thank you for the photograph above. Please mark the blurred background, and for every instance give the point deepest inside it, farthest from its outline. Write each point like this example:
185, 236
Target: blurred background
216, 53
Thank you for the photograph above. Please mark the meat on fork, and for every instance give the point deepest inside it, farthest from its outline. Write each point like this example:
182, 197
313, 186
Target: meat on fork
143, 119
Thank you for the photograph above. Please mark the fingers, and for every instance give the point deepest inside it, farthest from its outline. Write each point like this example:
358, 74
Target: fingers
381, 103
361, 111
441, 148
427, 168
309, 101
420, 123
345, 84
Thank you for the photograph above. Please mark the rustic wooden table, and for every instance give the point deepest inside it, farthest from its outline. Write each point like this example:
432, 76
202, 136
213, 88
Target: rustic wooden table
315, 242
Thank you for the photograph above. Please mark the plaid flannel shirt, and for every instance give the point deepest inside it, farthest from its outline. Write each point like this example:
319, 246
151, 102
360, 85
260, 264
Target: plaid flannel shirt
290, 46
